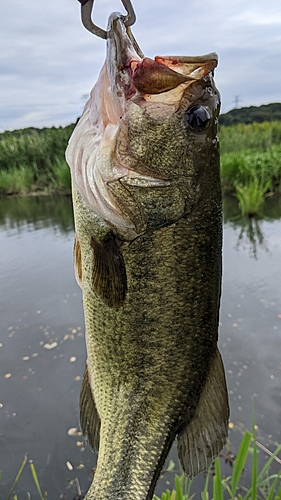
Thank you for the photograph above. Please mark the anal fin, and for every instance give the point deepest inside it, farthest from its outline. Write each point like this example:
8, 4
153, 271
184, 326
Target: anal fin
89, 417
203, 438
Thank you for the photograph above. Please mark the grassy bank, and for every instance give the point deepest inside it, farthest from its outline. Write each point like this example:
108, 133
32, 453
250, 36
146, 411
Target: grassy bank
32, 160
250, 152
265, 484
251, 163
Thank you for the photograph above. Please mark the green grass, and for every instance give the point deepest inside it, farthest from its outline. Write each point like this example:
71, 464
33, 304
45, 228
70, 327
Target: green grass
61, 173
37, 148
16, 181
33, 160
242, 166
251, 195
24, 180
251, 163
265, 485
12, 495
250, 175
254, 136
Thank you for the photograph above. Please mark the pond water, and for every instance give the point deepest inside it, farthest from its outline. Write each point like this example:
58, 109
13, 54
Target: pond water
42, 346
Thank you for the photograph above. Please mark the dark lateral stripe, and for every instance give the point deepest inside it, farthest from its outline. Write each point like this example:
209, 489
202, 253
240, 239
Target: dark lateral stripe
109, 272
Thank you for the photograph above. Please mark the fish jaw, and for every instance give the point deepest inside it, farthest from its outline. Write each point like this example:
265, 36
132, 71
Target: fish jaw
127, 81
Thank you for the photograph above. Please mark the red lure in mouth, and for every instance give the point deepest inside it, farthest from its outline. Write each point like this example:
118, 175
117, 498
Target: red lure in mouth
154, 76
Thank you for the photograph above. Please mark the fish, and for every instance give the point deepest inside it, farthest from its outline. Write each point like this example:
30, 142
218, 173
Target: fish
144, 160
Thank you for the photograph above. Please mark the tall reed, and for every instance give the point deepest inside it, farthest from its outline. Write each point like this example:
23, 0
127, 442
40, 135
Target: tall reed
253, 136
251, 195
251, 162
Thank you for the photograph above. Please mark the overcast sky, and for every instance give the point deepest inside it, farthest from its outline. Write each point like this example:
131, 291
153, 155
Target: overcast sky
49, 62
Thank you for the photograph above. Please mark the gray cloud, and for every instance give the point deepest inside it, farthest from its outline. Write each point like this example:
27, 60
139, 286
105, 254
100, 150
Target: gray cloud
48, 60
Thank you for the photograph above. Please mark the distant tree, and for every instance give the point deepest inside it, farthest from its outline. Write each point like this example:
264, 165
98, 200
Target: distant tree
264, 113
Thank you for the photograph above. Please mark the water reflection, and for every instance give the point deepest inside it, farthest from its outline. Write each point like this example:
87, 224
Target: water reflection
40, 303
251, 235
37, 212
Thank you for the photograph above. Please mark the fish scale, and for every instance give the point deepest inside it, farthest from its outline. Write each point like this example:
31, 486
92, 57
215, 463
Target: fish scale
165, 319
150, 271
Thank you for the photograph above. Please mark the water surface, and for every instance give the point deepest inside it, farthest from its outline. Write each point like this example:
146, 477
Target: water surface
42, 344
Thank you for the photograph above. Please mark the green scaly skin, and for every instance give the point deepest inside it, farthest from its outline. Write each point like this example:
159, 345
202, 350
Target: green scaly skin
150, 356
148, 360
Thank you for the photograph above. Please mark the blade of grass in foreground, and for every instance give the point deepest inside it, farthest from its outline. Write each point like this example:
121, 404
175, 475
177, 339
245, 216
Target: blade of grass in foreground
278, 496
205, 494
178, 488
269, 461
240, 461
263, 472
17, 477
273, 486
35, 479
217, 484
255, 457
186, 486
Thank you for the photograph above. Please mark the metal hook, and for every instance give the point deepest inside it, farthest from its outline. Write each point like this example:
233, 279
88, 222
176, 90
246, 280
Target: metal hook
86, 10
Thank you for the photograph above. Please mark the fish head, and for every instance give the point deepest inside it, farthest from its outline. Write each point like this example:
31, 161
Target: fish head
145, 151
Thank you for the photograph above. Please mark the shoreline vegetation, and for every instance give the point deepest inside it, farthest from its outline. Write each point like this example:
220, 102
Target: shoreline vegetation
251, 163
32, 161
265, 483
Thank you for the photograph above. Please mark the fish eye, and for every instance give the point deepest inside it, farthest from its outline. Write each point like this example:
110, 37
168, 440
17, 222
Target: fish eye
197, 117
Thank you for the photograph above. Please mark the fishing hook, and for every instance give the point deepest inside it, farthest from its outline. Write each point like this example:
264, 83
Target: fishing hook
86, 10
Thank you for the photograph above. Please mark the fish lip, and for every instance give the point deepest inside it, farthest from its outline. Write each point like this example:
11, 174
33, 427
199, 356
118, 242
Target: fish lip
211, 56
124, 59
118, 41
120, 55
193, 67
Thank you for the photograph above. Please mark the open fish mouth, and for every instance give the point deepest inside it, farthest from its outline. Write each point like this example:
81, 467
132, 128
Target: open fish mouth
128, 78
137, 75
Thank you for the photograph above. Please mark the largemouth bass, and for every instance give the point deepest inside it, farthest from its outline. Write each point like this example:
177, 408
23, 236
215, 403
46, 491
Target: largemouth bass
144, 161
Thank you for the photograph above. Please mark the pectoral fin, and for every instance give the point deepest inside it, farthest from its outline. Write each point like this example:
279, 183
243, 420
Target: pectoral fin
109, 272
201, 441
89, 417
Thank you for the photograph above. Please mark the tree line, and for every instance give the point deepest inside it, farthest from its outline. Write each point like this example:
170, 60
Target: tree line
264, 113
